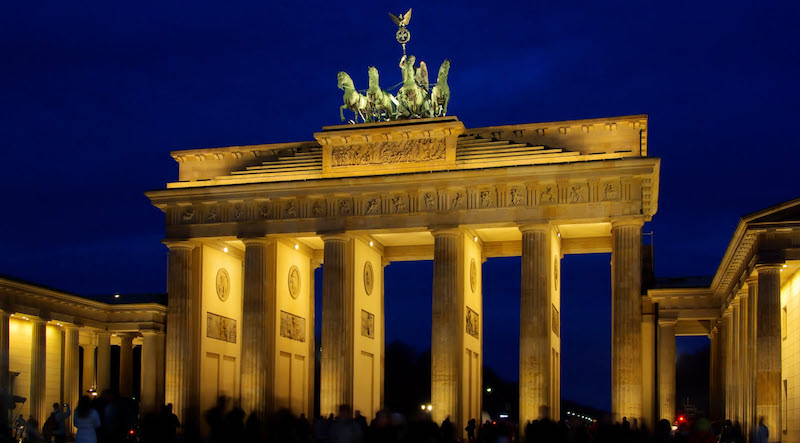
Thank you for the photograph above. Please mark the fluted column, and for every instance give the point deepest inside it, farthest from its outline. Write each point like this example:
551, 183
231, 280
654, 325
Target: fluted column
258, 332
750, 377
336, 379
729, 333
744, 411
71, 380
103, 361
713, 374
723, 368
88, 368
4, 349
446, 338
768, 342
626, 319
39, 408
182, 365
125, 365
152, 384
735, 354
666, 369
534, 330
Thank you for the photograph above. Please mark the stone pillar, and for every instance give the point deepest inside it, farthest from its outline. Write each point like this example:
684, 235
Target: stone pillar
666, 369
182, 363
768, 342
88, 368
258, 327
38, 407
650, 409
729, 350
103, 361
336, 378
446, 337
735, 354
750, 377
534, 339
4, 358
723, 367
71, 374
626, 320
152, 384
744, 412
125, 365
713, 374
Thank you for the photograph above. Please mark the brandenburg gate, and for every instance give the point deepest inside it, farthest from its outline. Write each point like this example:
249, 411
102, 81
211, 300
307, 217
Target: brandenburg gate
247, 225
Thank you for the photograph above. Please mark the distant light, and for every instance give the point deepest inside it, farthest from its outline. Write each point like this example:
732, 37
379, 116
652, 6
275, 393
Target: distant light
422, 407
116, 295
785, 266
296, 246
559, 235
488, 389
681, 418
224, 249
370, 242
476, 238
131, 431
503, 415
430, 407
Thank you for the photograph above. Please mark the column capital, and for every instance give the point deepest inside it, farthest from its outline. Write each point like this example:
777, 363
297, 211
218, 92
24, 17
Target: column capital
103, 333
256, 241
766, 267
150, 332
535, 226
437, 231
752, 280
627, 221
179, 244
666, 322
336, 236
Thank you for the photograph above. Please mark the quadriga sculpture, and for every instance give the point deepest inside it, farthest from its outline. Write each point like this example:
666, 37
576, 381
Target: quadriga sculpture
353, 100
413, 99
382, 104
440, 94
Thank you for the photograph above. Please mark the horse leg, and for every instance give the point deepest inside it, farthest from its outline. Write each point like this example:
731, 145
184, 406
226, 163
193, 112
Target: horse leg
341, 112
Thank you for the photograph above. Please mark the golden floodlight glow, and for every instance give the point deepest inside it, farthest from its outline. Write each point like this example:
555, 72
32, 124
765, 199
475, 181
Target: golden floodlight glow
296, 246
370, 242
476, 238
225, 249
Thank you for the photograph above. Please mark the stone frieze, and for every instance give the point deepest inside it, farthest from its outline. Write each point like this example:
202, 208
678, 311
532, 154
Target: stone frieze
388, 152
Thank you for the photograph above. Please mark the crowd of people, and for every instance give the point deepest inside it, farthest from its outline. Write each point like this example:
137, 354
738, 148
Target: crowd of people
110, 419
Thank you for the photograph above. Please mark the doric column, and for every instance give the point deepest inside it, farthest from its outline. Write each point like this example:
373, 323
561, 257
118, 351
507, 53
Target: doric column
534, 330
750, 376
768, 342
258, 327
723, 368
125, 365
103, 361
71, 381
666, 369
336, 378
182, 364
729, 333
88, 368
626, 319
446, 345
39, 408
152, 380
713, 374
744, 412
4, 358
735, 354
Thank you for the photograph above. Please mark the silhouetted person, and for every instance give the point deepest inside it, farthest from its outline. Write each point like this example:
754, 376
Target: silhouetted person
345, 429
86, 420
214, 417
470, 430
169, 424
663, 432
763, 431
447, 430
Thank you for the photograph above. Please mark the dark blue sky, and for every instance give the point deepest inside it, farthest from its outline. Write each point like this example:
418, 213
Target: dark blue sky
94, 96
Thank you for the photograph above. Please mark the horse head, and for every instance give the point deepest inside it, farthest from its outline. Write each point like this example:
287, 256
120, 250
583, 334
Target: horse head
444, 70
344, 80
373, 76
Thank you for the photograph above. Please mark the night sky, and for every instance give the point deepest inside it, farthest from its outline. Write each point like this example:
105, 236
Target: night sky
95, 96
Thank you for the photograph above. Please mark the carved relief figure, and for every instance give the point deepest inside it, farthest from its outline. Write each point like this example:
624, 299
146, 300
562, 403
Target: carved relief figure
576, 194
399, 204
473, 323
473, 274
404, 151
188, 214
367, 324
293, 327
265, 210
291, 210
486, 199
430, 201
223, 284
220, 328
548, 195
516, 197
294, 281
610, 191
458, 201
318, 209
555, 321
371, 206
238, 213
212, 215
345, 207
369, 278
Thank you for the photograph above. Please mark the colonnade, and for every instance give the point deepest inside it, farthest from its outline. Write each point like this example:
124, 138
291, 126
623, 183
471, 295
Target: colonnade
456, 351
95, 376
